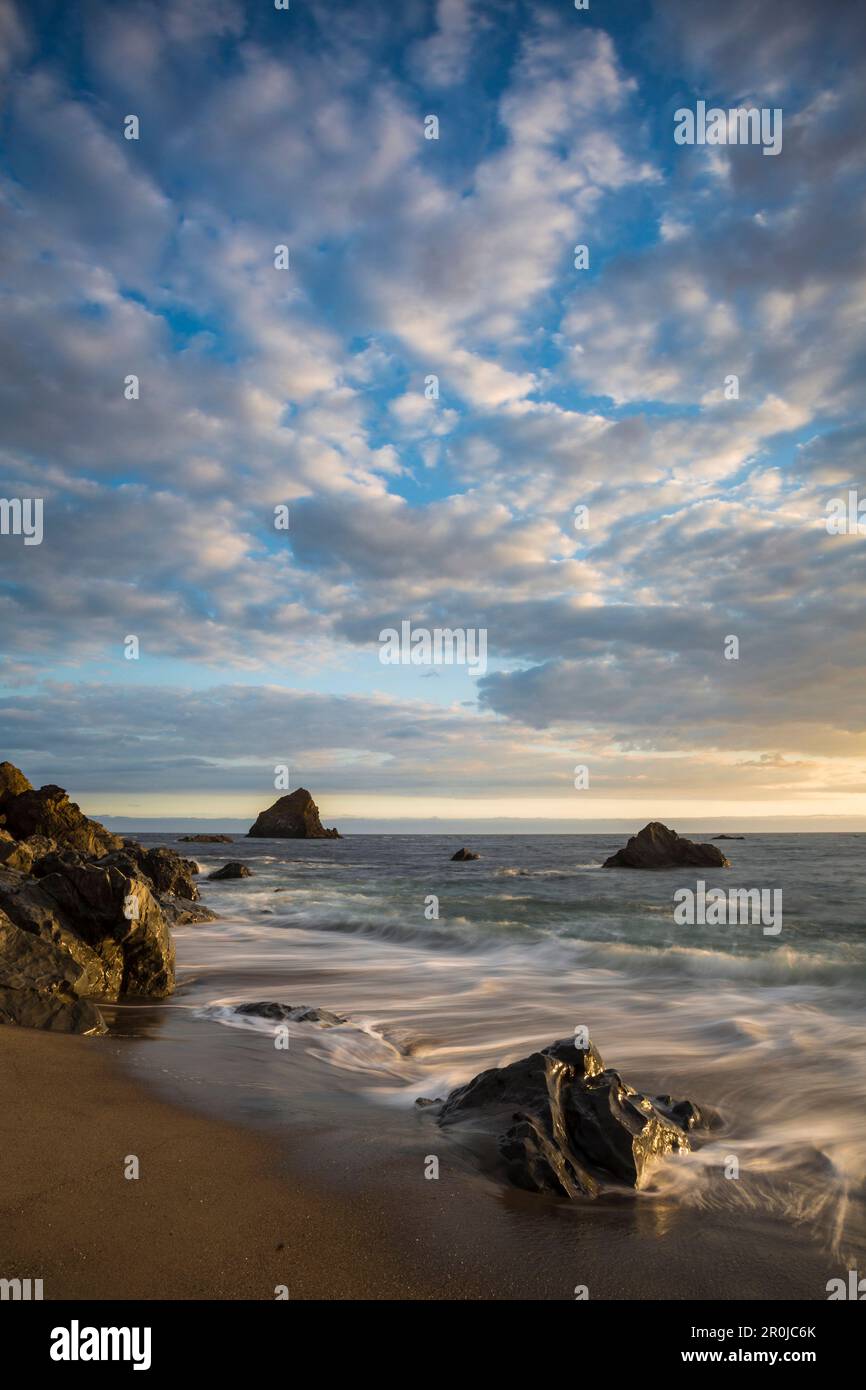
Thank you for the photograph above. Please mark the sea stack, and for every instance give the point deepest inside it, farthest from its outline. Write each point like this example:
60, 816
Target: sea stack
293, 817
657, 847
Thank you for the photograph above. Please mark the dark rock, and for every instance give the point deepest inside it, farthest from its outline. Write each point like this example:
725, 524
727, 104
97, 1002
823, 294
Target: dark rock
30, 1008
80, 917
40, 984
24, 854
206, 839
290, 1013
231, 870
464, 854
180, 912
657, 847
109, 908
729, 837
36, 913
293, 817
49, 812
164, 869
567, 1125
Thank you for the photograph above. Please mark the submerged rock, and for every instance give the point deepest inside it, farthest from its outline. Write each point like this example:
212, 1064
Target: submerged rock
657, 847
464, 854
563, 1123
289, 1013
232, 870
293, 817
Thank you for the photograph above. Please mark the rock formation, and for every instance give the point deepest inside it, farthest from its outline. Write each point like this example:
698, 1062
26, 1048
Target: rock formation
657, 847
206, 839
559, 1121
293, 817
48, 812
84, 914
463, 854
234, 869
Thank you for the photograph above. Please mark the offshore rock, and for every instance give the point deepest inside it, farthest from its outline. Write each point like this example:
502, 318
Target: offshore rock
463, 854
293, 817
233, 869
657, 847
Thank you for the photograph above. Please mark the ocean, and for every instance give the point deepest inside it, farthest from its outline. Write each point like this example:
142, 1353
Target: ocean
532, 941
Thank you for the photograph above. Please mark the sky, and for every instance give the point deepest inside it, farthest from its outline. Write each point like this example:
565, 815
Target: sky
605, 386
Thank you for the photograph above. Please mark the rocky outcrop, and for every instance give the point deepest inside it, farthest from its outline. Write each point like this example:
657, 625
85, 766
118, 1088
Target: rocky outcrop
231, 870
293, 817
729, 837
12, 782
84, 915
559, 1121
40, 984
463, 854
166, 872
49, 812
657, 847
206, 839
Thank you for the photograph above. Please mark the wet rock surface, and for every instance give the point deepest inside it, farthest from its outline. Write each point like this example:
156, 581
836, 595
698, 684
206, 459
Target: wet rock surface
657, 847
559, 1121
463, 854
289, 1013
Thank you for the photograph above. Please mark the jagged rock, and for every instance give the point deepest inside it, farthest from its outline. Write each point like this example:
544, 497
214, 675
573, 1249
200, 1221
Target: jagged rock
231, 870
657, 847
565, 1124
290, 1013
24, 854
464, 854
49, 812
80, 917
206, 839
39, 984
30, 1008
36, 913
106, 905
180, 912
293, 817
12, 782
164, 869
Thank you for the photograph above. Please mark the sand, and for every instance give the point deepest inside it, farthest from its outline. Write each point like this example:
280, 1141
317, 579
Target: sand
213, 1215
335, 1210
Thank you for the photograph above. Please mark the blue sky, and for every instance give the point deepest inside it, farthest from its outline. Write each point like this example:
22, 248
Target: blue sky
558, 387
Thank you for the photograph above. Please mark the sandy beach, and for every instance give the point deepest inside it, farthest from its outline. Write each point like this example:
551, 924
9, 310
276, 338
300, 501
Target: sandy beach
223, 1212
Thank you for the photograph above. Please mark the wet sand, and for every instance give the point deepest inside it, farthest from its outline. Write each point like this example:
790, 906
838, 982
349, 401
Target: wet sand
333, 1212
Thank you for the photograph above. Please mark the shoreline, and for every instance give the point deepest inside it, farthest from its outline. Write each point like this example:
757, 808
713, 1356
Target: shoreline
230, 1211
